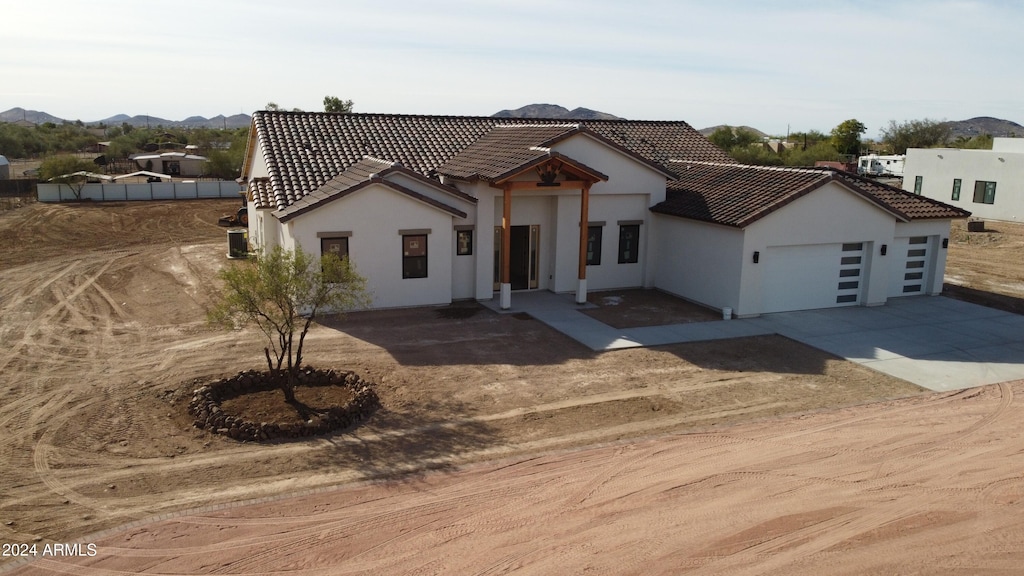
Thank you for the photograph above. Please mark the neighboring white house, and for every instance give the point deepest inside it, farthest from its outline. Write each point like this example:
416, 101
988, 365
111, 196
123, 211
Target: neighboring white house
989, 183
177, 164
432, 209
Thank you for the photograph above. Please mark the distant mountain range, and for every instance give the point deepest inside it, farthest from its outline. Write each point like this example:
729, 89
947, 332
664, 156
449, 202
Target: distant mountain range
966, 128
554, 111
711, 130
20, 115
985, 125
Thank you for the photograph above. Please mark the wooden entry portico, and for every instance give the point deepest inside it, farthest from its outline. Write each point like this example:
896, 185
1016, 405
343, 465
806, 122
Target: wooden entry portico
555, 171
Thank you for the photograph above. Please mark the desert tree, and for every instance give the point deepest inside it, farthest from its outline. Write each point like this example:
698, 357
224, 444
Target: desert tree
335, 104
915, 134
846, 136
282, 292
66, 169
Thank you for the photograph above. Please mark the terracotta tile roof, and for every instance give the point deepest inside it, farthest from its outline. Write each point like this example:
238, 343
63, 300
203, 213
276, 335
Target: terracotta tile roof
739, 195
304, 150
261, 193
914, 206
503, 149
368, 171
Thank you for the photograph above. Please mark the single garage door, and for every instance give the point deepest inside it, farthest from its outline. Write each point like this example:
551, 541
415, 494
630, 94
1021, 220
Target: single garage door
812, 276
912, 267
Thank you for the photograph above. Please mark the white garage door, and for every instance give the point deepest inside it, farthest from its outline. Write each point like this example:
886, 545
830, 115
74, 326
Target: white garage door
813, 276
912, 266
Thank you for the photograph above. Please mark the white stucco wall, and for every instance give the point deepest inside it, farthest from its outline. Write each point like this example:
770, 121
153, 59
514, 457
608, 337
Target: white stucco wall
829, 215
938, 167
625, 174
698, 261
374, 215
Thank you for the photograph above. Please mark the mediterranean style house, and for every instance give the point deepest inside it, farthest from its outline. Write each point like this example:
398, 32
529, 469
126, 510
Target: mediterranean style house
432, 209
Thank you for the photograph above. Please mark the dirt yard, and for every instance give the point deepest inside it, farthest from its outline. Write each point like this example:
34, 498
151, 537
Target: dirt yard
102, 320
987, 267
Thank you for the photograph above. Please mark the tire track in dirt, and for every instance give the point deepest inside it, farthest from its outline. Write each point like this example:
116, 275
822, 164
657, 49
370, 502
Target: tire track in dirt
899, 464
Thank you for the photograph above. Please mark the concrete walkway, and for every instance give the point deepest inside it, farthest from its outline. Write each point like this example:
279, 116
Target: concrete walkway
935, 342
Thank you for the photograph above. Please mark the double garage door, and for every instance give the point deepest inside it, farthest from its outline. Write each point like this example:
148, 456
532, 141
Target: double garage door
812, 276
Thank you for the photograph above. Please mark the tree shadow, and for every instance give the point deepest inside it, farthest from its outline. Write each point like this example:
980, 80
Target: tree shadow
406, 444
465, 333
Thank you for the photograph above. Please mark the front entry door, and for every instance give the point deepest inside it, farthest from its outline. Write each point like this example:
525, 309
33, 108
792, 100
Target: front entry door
519, 258
523, 257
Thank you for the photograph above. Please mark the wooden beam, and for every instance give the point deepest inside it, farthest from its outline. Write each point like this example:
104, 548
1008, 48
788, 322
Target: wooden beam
506, 236
584, 214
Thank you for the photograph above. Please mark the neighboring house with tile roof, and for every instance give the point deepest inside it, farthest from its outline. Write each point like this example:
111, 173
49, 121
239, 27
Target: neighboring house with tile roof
432, 209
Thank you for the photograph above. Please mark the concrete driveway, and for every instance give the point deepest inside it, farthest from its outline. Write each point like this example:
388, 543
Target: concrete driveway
935, 342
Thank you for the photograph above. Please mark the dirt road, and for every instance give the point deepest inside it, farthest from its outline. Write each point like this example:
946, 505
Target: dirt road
102, 320
929, 485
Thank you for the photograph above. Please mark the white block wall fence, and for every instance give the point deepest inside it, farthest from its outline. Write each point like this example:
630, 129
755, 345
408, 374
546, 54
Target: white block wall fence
152, 191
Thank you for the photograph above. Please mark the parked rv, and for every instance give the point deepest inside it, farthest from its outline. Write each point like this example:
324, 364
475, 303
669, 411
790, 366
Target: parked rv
876, 165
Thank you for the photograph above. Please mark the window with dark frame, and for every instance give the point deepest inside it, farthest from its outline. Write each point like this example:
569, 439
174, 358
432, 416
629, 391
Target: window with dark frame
918, 181
984, 192
956, 188
414, 256
629, 242
463, 242
336, 246
594, 234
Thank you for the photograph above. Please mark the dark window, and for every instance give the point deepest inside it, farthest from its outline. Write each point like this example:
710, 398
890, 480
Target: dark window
918, 240
846, 298
629, 241
913, 276
918, 180
336, 246
916, 253
173, 168
848, 285
464, 242
912, 288
915, 264
984, 192
849, 273
853, 247
414, 256
850, 260
956, 188
594, 245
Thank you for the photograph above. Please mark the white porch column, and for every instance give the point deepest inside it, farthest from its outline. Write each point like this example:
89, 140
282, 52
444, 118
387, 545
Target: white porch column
506, 247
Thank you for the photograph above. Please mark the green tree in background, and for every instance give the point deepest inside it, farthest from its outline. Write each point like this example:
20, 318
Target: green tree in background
924, 133
846, 136
59, 170
335, 104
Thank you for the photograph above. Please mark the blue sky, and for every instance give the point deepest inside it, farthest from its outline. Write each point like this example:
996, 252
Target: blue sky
773, 65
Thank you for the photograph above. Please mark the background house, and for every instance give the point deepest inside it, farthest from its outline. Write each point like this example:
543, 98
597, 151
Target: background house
989, 183
177, 164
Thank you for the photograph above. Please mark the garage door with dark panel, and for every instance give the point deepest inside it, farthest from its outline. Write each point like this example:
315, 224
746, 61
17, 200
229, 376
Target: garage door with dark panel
912, 267
812, 276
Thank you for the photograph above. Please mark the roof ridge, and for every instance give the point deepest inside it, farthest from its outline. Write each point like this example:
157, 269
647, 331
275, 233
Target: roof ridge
571, 125
471, 117
796, 169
